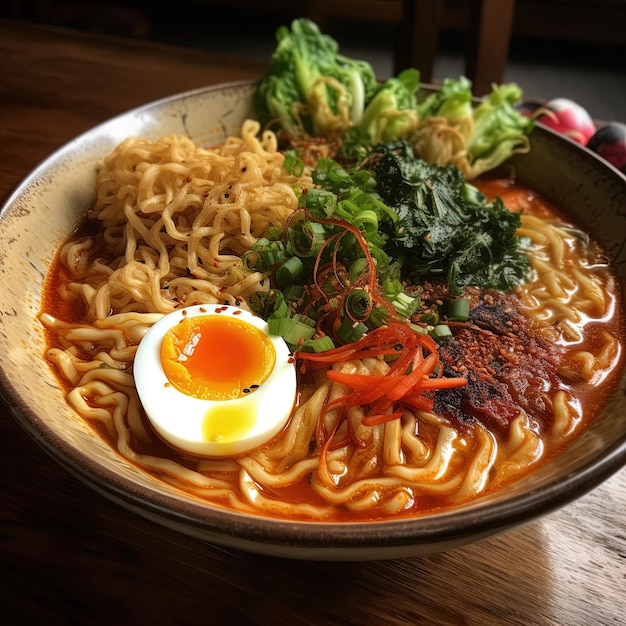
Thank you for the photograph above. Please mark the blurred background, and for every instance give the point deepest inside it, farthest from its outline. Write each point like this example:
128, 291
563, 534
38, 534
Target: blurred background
551, 48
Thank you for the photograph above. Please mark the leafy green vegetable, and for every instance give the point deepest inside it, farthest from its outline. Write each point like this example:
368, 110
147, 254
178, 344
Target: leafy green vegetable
310, 88
499, 129
348, 195
452, 101
447, 229
476, 137
362, 230
392, 112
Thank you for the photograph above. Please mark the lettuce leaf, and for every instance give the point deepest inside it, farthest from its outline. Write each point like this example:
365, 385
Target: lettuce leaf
475, 136
310, 88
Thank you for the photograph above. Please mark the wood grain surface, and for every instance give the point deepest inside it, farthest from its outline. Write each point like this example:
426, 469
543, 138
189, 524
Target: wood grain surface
68, 556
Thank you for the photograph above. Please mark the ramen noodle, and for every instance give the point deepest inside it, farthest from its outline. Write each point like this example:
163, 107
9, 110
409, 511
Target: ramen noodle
170, 223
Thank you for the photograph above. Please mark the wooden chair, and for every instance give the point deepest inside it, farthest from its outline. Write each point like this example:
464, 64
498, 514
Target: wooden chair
489, 33
490, 25
419, 23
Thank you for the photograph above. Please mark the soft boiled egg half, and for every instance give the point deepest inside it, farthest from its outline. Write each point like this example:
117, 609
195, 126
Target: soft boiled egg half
213, 382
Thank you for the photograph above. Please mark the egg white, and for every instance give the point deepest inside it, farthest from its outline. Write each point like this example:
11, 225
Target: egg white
179, 418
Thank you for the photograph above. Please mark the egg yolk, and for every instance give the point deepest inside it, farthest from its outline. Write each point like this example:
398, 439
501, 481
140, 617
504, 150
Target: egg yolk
216, 357
227, 422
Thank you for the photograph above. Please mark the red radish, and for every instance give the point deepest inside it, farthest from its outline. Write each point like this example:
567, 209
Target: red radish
568, 118
610, 143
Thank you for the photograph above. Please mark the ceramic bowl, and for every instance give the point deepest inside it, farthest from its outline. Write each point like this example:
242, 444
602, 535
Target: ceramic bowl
50, 203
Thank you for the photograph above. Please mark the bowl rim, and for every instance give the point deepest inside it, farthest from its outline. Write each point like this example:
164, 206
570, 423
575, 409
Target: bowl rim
263, 533
201, 518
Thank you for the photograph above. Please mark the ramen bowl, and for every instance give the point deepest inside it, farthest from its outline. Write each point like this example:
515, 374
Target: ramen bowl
50, 203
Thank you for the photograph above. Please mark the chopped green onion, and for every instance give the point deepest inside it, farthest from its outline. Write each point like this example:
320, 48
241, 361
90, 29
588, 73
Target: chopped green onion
268, 303
358, 304
350, 331
289, 271
267, 259
319, 344
306, 238
329, 173
278, 326
458, 310
381, 260
304, 319
291, 330
378, 316
357, 267
441, 331
249, 260
293, 163
366, 220
264, 255
384, 209
346, 210
320, 202
405, 305
430, 317
297, 332
273, 233
392, 287
293, 293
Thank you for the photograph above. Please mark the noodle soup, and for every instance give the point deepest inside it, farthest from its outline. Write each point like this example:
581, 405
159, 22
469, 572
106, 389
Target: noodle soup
171, 223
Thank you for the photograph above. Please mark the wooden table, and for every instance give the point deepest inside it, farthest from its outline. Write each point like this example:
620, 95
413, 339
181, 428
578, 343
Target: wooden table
68, 556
